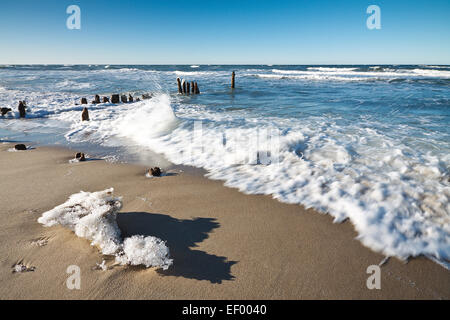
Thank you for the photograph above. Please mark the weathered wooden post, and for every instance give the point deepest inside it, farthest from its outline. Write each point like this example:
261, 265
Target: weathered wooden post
193, 87
130, 98
115, 98
83, 101
22, 111
105, 99
123, 98
197, 90
188, 87
183, 82
85, 114
180, 90
97, 99
232, 80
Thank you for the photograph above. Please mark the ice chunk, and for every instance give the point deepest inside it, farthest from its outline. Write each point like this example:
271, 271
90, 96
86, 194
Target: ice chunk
149, 251
92, 215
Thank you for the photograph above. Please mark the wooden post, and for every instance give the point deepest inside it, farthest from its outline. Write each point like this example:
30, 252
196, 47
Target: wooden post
183, 82
115, 98
180, 90
85, 114
188, 88
232, 80
193, 87
22, 109
197, 91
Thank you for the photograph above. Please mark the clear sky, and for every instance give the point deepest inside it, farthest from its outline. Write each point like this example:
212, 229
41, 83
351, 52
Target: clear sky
225, 32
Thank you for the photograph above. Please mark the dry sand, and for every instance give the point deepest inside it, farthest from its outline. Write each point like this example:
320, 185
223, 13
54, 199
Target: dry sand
225, 245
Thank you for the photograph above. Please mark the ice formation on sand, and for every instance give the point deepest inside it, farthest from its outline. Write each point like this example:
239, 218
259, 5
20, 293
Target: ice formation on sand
148, 251
92, 215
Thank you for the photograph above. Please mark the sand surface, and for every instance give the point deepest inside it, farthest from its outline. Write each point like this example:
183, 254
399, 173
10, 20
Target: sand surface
225, 245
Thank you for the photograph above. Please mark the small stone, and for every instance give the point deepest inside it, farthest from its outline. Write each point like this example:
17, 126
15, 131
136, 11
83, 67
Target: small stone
80, 156
115, 98
20, 147
5, 110
85, 114
137, 99
20, 267
156, 171
84, 101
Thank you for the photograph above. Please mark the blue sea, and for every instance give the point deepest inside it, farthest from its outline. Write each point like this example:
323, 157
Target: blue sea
368, 143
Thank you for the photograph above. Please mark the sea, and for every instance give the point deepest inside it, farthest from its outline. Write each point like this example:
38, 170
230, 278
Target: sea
364, 143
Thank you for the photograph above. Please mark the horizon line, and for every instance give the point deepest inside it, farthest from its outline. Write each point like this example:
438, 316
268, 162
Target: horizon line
218, 64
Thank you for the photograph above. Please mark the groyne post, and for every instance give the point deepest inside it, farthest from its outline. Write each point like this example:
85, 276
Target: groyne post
184, 86
232, 79
180, 90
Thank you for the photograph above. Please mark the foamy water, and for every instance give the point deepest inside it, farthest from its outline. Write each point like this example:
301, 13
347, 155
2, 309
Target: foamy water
365, 143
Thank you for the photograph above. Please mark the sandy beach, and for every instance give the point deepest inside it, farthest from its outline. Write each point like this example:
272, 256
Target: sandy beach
225, 244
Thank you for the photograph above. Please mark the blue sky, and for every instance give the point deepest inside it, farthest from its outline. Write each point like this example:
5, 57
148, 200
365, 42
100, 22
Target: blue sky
225, 32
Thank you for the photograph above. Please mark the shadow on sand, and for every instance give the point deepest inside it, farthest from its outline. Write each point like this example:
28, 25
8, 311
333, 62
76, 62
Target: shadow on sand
180, 236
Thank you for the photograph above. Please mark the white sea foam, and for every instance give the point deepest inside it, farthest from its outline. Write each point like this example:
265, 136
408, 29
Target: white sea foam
197, 73
396, 197
354, 74
315, 76
331, 69
93, 216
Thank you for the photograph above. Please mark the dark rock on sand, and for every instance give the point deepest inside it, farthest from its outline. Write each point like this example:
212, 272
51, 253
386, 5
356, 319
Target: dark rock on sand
85, 114
20, 147
145, 96
5, 110
156, 171
105, 99
123, 98
137, 99
83, 101
22, 109
80, 156
115, 98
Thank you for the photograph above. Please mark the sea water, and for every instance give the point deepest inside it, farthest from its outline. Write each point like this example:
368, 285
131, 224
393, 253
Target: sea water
366, 143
